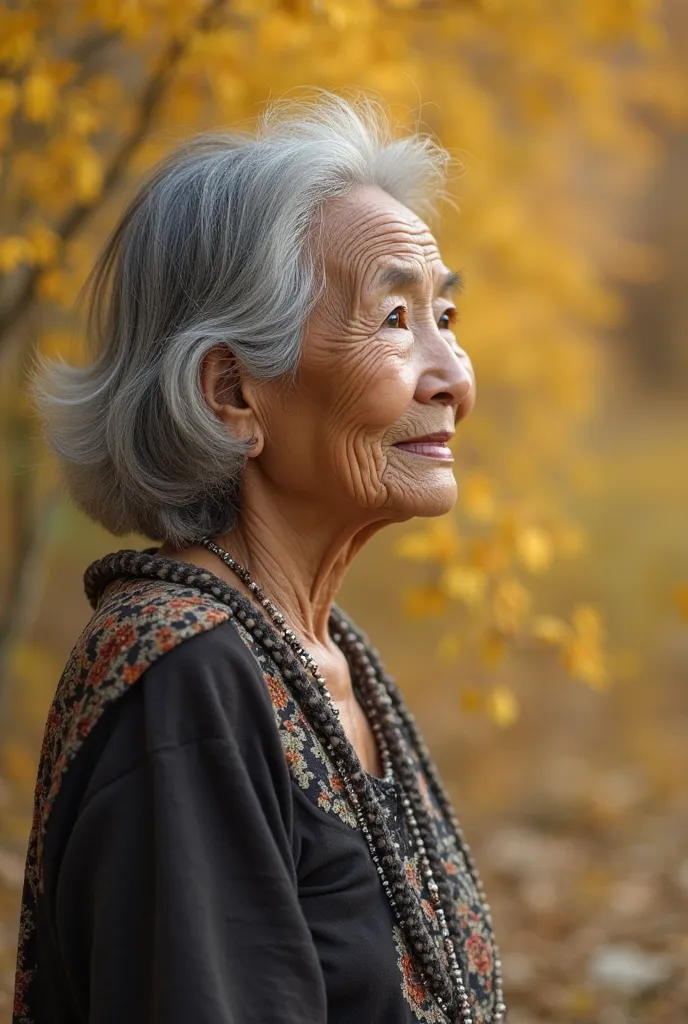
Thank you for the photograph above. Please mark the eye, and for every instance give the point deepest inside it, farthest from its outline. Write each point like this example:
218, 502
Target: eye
447, 319
397, 318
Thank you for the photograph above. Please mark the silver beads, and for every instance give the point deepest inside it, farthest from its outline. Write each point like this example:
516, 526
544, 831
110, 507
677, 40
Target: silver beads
382, 715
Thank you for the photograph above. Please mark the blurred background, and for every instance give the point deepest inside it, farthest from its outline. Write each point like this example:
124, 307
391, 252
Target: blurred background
540, 632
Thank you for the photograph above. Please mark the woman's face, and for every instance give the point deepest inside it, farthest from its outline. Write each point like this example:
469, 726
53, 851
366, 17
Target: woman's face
381, 370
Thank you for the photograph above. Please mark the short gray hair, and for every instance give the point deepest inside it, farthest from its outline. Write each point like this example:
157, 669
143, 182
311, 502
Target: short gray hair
215, 248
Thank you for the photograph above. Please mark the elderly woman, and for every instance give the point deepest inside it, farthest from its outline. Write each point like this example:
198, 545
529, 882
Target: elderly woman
236, 820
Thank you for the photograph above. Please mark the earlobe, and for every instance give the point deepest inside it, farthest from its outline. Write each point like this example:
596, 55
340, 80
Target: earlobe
256, 446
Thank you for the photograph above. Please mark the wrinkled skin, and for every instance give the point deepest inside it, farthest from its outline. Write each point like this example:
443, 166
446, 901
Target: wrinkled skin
380, 364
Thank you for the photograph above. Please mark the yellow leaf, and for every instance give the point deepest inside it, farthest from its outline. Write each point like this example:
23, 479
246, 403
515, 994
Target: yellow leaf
550, 629
40, 97
17, 36
471, 699
9, 98
534, 548
14, 250
583, 655
134, 20
585, 663
681, 597
448, 649
279, 32
249, 9
82, 119
491, 554
228, 88
492, 650
650, 36
423, 602
340, 14
581, 1003
88, 175
510, 606
61, 72
464, 583
478, 498
51, 285
103, 91
436, 542
219, 46
44, 243
587, 622
502, 706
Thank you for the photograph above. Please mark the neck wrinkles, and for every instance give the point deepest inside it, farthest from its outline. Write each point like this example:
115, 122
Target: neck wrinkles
298, 564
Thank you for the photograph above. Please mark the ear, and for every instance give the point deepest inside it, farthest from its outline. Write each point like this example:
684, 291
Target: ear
230, 397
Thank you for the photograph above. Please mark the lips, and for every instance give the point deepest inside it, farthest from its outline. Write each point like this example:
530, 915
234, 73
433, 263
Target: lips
433, 446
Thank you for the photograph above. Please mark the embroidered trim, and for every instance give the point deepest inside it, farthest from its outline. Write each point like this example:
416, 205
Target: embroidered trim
313, 771
424, 1009
309, 763
477, 952
138, 620
135, 623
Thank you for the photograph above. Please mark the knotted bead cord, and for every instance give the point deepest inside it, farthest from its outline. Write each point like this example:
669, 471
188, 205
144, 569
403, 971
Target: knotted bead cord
359, 647
428, 858
387, 731
323, 717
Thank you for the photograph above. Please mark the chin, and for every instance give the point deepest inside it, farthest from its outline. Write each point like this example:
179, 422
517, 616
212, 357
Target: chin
426, 503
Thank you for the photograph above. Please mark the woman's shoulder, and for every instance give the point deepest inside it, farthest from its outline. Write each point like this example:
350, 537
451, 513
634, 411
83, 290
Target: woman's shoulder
210, 686
182, 644
136, 624
157, 666
206, 690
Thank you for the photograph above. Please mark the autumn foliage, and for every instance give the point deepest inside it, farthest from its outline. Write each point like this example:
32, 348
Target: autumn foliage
551, 111
521, 93
532, 98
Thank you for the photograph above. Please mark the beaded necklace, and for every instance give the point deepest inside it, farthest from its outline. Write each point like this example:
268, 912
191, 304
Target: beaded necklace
385, 713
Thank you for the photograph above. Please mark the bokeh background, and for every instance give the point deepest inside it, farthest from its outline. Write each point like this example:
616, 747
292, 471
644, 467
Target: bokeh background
540, 632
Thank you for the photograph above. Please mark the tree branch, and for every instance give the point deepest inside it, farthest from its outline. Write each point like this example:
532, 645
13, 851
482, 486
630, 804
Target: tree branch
26, 579
91, 46
29, 530
85, 51
80, 213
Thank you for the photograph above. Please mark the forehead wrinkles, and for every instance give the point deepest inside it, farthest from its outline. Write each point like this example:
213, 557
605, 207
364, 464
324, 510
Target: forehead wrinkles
366, 234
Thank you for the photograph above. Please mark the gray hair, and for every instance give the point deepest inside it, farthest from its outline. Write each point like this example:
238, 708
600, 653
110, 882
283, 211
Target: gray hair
215, 248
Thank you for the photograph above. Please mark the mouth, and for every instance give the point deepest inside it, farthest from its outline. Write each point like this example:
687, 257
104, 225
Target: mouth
429, 446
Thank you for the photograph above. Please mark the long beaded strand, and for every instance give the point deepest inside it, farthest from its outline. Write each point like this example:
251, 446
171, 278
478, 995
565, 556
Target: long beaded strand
410, 799
399, 893
403, 900
404, 721
430, 864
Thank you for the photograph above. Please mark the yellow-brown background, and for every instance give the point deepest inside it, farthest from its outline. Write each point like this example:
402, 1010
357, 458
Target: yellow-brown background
540, 632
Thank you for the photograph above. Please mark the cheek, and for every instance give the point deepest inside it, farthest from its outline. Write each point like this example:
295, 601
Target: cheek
375, 392
390, 395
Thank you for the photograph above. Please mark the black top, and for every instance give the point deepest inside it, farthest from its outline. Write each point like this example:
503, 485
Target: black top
201, 864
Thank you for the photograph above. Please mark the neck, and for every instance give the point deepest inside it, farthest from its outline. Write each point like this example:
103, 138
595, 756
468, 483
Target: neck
298, 565
297, 552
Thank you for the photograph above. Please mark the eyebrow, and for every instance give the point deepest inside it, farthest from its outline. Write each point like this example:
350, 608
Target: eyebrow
453, 282
407, 277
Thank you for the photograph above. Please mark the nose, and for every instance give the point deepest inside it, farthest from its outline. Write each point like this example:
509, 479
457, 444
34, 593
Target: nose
447, 379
